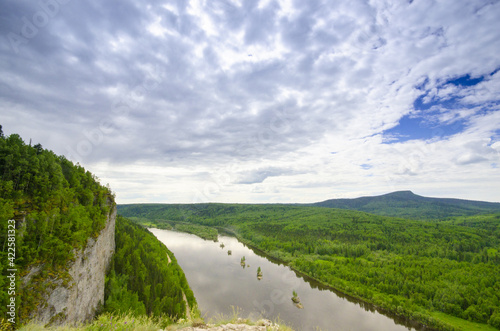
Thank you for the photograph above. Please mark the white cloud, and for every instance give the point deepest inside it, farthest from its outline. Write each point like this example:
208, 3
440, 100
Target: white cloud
259, 95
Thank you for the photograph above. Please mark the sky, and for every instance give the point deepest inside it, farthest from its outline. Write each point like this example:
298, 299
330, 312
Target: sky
270, 101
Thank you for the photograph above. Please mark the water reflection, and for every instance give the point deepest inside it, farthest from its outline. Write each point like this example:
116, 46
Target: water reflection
220, 283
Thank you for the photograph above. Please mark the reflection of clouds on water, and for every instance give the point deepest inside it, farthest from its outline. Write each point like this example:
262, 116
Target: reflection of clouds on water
219, 282
289, 278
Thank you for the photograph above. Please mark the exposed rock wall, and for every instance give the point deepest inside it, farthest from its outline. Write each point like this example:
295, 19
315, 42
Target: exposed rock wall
78, 300
239, 325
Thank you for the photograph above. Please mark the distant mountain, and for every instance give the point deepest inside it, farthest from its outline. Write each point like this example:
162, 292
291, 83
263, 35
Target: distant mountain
406, 204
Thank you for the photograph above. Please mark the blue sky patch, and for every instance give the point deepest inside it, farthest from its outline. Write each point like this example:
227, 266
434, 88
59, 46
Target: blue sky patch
412, 128
366, 166
465, 81
423, 126
451, 103
419, 103
495, 136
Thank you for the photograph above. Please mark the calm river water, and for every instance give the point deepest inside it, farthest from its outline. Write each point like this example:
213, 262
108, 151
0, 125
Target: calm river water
220, 283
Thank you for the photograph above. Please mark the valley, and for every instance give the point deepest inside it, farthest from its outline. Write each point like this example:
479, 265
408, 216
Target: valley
413, 268
410, 262
222, 286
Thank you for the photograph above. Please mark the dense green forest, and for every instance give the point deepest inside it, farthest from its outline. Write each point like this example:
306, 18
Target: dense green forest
201, 231
56, 205
419, 269
205, 232
145, 277
414, 268
406, 204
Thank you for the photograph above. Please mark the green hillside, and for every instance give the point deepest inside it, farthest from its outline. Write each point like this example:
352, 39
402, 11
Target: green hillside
427, 271
49, 208
406, 204
145, 277
56, 206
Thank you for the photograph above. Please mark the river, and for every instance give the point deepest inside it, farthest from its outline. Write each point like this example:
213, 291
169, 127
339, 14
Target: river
221, 285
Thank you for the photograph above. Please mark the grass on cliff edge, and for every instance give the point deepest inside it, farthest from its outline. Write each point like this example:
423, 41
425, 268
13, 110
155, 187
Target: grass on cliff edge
110, 322
126, 322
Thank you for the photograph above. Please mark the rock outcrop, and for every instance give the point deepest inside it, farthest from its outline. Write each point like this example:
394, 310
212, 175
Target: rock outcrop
76, 300
240, 325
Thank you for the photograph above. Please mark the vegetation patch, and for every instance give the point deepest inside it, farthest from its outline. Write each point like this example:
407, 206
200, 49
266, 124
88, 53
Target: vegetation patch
56, 205
141, 280
411, 268
201, 231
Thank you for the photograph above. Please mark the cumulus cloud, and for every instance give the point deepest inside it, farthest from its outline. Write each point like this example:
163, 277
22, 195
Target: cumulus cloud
245, 99
259, 175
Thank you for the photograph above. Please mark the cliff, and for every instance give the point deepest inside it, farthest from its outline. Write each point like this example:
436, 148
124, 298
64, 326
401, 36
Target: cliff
76, 298
64, 223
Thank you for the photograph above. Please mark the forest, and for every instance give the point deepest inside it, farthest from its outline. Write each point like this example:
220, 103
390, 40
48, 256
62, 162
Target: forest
201, 231
418, 269
428, 270
56, 206
141, 281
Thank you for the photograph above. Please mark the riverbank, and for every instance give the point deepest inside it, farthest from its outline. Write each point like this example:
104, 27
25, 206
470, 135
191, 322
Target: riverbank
420, 319
428, 321
201, 231
220, 283
204, 232
413, 268
371, 306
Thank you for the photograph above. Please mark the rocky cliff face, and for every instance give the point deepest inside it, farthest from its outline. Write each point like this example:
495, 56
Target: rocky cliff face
76, 300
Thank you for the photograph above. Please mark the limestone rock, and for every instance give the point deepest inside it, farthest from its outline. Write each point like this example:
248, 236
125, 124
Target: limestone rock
77, 300
261, 325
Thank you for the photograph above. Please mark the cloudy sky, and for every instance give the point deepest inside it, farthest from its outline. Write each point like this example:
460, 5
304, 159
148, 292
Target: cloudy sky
260, 101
